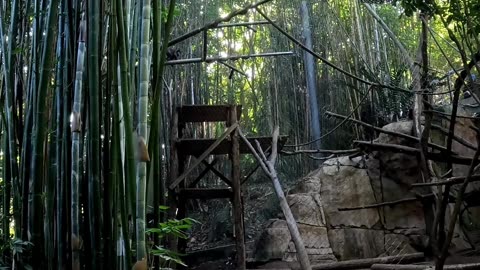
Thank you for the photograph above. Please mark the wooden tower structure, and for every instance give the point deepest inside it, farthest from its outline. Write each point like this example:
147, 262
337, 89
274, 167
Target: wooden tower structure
228, 143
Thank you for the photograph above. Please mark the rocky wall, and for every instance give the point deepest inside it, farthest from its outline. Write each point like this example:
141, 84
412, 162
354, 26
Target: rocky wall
343, 182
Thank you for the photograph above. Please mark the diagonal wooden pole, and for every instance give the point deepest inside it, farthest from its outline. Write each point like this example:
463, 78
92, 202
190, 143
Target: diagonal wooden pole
269, 169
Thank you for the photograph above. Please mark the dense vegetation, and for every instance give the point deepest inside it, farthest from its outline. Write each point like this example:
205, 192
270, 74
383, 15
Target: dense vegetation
87, 96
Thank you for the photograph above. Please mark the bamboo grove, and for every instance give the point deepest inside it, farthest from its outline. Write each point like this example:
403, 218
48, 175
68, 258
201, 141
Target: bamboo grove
76, 173
87, 92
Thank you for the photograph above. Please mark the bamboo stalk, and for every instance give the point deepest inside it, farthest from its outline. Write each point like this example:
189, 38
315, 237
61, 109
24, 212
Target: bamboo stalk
40, 135
142, 127
94, 148
125, 77
76, 135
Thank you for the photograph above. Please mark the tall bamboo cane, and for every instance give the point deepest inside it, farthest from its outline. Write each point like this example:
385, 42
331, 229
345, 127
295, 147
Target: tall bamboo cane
94, 148
76, 128
40, 134
142, 128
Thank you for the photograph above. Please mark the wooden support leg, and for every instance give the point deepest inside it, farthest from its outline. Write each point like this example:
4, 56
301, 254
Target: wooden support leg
182, 213
237, 196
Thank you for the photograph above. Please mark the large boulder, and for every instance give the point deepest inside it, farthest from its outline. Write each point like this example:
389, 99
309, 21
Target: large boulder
344, 182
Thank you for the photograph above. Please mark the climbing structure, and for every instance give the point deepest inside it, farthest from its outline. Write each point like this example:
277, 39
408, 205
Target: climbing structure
183, 185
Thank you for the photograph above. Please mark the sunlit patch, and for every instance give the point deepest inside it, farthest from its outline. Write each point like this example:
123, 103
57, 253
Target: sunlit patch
249, 74
222, 13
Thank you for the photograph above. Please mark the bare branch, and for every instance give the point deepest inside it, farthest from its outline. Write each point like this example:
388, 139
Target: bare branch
217, 22
392, 203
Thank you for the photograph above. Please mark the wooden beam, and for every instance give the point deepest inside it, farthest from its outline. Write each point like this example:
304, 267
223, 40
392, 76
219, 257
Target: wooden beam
237, 195
227, 58
245, 179
469, 266
217, 173
366, 263
203, 156
205, 113
202, 174
205, 193
197, 146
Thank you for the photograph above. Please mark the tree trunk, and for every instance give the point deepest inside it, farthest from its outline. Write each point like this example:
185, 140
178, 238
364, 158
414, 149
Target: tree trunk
310, 75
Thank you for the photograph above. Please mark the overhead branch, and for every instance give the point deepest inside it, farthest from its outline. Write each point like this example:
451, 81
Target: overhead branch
217, 22
364, 98
381, 130
325, 61
439, 157
233, 68
246, 24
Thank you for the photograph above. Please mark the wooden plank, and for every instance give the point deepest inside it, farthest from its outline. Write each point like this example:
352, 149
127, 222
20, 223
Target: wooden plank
202, 174
195, 147
204, 155
218, 173
241, 260
205, 113
174, 167
365, 263
469, 266
206, 193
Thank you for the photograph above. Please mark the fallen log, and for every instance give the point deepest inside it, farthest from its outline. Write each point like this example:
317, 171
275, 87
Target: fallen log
366, 263
469, 266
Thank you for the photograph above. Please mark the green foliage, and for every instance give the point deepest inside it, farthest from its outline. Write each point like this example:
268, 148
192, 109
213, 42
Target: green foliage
16, 249
176, 12
172, 227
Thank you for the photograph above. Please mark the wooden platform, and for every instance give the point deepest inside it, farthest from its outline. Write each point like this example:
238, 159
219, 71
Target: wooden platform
206, 193
205, 113
228, 143
195, 147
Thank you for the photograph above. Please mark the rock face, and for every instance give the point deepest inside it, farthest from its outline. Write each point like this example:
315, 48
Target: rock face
330, 234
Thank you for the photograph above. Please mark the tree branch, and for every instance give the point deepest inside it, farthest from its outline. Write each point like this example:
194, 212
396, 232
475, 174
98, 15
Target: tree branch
217, 22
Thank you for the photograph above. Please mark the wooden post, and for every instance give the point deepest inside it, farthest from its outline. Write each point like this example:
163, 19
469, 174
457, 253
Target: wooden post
182, 203
172, 200
237, 193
